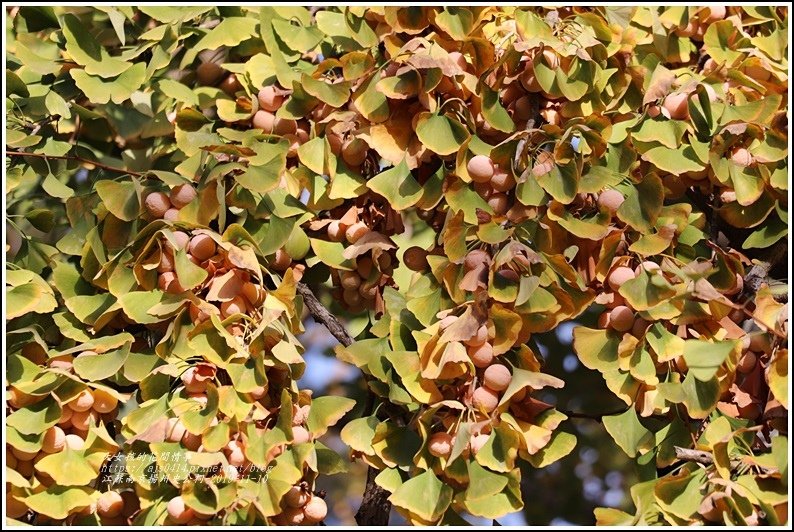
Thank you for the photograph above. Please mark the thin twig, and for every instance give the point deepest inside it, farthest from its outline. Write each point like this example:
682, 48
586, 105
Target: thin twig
74, 158
585, 415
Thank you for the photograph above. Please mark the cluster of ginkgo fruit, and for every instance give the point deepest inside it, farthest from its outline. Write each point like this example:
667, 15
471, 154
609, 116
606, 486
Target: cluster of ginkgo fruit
296, 510
79, 413
364, 229
227, 289
160, 205
756, 348
301, 507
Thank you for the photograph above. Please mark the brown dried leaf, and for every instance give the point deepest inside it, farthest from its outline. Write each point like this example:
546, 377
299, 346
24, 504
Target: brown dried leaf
370, 241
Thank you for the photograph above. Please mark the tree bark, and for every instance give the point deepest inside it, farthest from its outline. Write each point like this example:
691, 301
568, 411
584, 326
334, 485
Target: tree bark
375, 506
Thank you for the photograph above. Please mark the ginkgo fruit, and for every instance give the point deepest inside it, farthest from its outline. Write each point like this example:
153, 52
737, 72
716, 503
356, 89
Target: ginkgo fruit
296, 497
747, 362
415, 258
440, 444
182, 240
174, 430
66, 414
497, 377
181, 195
231, 85
269, 99
234, 306
178, 511
619, 275
264, 120
15, 509
82, 402
293, 516
171, 215
477, 442
336, 231
368, 290
282, 260
611, 200
741, 157
54, 440
350, 280
110, 504
35, 353
300, 435
352, 297
480, 168
192, 381
481, 355
166, 261
209, 73
647, 266
677, 106
202, 247
235, 453
157, 203
19, 399
483, 398
713, 13
74, 442
621, 318
479, 338
760, 343
639, 328
502, 181
25, 468
315, 510
500, 203
23, 456
104, 402
300, 414
354, 151
356, 231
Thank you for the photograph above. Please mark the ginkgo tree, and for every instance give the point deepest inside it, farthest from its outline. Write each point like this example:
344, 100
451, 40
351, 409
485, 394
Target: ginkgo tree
184, 185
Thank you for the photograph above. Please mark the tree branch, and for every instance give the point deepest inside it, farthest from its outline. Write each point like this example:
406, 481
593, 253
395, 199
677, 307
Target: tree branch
74, 158
759, 273
693, 455
707, 459
322, 315
375, 506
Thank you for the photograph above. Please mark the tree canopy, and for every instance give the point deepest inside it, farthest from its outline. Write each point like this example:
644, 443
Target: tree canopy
435, 186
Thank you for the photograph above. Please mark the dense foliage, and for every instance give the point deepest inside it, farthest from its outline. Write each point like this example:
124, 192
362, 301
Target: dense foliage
449, 182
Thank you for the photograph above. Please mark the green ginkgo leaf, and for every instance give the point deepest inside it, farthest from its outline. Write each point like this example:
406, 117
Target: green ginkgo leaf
58, 502
424, 495
67, 468
118, 89
397, 185
629, 433
440, 133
